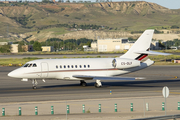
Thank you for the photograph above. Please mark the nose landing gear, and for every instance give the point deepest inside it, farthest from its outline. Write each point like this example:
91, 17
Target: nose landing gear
34, 82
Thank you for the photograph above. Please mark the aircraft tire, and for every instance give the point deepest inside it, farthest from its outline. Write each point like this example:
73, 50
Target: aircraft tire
96, 85
34, 87
83, 84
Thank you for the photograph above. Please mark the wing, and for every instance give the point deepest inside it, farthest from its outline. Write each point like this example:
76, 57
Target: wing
86, 77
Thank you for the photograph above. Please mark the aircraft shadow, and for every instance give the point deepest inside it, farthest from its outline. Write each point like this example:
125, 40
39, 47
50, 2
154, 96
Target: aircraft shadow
148, 83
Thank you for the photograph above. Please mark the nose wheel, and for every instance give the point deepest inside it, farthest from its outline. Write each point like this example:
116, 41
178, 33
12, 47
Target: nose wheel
34, 87
34, 82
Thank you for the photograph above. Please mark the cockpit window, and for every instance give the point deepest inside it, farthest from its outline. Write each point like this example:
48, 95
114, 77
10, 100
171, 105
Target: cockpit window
30, 65
34, 65
26, 65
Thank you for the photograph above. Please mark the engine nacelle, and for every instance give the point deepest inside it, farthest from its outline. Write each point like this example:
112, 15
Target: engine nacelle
122, 63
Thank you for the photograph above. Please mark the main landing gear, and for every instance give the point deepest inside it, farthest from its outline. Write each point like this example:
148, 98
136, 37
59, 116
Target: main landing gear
98, 84
83, 83
34, 82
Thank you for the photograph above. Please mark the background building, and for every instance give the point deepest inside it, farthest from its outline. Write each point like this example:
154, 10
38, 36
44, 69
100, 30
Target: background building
108, 45
47, 48
27, 48
3, 43
121, 44
14, 48
94, 45
155, 45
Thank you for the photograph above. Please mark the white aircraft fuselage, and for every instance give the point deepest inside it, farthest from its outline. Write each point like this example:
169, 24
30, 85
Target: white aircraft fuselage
67, 68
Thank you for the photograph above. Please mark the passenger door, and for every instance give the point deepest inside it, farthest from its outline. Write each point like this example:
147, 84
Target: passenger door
44, 70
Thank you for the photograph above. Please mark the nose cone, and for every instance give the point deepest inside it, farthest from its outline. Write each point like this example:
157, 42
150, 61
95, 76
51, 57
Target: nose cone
12, 74
15, 74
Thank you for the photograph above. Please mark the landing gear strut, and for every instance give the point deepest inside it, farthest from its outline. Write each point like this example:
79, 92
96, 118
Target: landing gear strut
83, 83
98, 84
34, 82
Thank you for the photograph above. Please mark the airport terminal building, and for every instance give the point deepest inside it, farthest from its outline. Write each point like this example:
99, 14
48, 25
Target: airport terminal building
120, 44
108, 45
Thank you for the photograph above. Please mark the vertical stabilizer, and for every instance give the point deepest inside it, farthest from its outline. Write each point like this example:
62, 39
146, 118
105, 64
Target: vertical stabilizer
142, 44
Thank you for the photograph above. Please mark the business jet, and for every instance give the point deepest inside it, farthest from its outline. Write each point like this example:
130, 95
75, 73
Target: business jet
97, 69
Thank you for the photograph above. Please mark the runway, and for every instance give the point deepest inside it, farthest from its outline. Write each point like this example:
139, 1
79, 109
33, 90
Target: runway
13, 90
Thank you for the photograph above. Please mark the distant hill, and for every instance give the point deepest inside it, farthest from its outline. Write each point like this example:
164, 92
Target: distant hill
16, 18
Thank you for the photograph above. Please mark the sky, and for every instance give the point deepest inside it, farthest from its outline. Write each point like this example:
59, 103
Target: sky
171, 4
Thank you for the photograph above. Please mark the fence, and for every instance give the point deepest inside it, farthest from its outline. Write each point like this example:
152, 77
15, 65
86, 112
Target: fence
111, 105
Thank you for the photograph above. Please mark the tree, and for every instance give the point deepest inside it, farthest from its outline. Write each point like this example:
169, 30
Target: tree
46, 1
158, 32
169, 43
5, 48
161, 45
20, 46
176, 42
31, 42
174, 27
37, 46
89, 43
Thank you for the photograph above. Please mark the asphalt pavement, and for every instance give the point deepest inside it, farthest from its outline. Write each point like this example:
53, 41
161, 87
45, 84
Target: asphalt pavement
15, 93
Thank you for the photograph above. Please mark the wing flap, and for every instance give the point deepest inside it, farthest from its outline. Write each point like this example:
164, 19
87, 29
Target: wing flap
105, 77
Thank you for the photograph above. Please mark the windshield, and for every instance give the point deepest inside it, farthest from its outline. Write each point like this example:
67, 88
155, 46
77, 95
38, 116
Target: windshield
25, 65
30, 65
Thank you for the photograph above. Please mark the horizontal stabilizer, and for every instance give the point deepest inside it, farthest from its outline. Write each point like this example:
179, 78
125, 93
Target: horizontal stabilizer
105, 77
152, 53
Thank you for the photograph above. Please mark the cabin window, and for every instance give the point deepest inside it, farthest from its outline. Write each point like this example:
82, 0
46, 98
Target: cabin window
34, 65
80, 66
84, 66
56, 66
75, 66
88, 66
30, 65
26, 65
72, 66
64, 66
60, 66
68, 66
